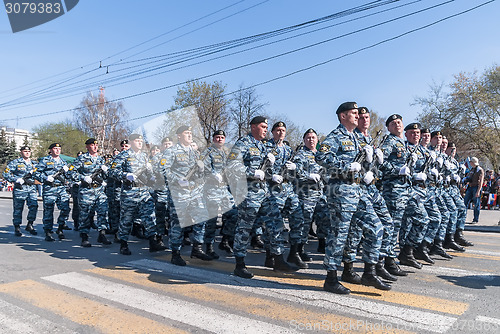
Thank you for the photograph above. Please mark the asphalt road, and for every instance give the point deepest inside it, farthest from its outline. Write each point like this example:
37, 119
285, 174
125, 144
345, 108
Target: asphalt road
61, 287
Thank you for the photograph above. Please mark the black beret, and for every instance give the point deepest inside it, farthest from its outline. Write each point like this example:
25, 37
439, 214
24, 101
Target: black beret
347, 106
425, 130
25, 148
413, 126
91, 141
258, 120
436, 133
124, 142
310, 130
278, 124
452, 145
219, 133
164, 140
154, 147
392, 118
363, 110
183, 128
134, 136
54, 145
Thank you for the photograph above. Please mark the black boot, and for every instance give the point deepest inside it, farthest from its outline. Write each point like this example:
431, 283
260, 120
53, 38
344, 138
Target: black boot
370, 278
459, 238
29, 228
49, 236
437, 249
102, 238
137, 231
177, 259
312, 233
186, 241
392, 267
257, 242
349, 275
85, 240
281, 265
241, 269
154, 245
294, 257
124, 248
321, 245
421, 253
332, 284
450, 243
197, 252
76, 225
406, 257
269, 262
115, 239
17, 231
66, 227
382, 272
211, 252
60, 233
225, 246
159, 239
304, 255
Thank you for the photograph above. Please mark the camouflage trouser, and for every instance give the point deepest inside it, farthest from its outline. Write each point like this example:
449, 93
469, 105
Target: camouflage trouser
289, 205
415, 219
452, 209
113, 194
383, 214
162, 210
364, 223
434, 215
396, 199
75, 210
29, 195
185, 210
216, 198
454, 193
136, 203
343, 199
93, 200
445, 215
257, 203
315, 208
51, 196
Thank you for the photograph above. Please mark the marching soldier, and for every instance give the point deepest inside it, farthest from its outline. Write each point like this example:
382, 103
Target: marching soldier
51, 171
132, 167
89, 170
20, 172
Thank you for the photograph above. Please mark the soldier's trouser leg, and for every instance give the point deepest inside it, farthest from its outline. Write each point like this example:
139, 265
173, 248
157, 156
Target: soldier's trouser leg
147, 213
229, 219
75, 210
434, 218
86, 202
445, 217
452, 209
211, 224
273, 222
113, 208
102, 211
396, 200
416, 218
175, 232
18, 206
461, 210
322, 218
380, 208
128, 213
342, 206
49, 201
62, 202
308, 205
32, 206
295, 220
246, 217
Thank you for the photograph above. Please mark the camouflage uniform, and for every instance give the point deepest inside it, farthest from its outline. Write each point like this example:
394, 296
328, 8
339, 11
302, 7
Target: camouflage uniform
113, 190
27, 192
91, 197
189, 206
431, 206
53, 193
135, 197
453, 190
161, 196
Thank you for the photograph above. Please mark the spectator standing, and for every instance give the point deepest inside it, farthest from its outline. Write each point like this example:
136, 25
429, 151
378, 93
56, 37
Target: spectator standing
473, 192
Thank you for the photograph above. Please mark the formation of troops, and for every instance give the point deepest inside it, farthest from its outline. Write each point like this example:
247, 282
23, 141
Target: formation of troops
392, 197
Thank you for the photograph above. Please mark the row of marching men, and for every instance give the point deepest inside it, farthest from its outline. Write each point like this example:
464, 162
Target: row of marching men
358, 192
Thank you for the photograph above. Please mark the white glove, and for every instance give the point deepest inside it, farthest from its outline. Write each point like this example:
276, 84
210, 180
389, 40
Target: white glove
200, 164
354, 167
271, 158
434, 172
448, 164
50, 178
104, 168
369, 153
104, 184
218, 177
131, 177
420, 177
277, 178
149, 166
440, 161
259, 174
433, 156
456, 178
414, 157
183, 183
20, 180
290, 165
448, 178
87, 179
380, 155
405, 170
65, 168
315, 177
368, 177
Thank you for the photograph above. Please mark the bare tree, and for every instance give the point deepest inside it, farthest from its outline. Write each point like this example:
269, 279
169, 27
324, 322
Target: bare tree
102, 120
245, 105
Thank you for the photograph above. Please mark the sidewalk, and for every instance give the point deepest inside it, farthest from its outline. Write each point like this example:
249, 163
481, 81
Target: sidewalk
488, 219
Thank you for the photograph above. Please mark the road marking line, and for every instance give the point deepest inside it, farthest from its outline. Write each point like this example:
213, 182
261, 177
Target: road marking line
481, 318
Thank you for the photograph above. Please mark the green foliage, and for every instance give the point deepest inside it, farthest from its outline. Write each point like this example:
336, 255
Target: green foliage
71, 139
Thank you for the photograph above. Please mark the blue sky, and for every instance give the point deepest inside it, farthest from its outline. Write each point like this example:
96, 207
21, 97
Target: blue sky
385, 78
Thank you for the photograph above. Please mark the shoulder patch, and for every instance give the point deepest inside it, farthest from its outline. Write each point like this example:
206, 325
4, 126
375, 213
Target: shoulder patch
71, 167
324, 148
163, 162
232, 156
